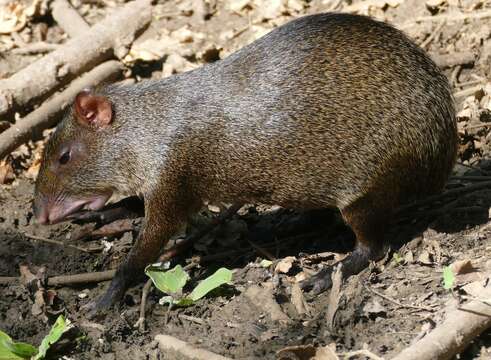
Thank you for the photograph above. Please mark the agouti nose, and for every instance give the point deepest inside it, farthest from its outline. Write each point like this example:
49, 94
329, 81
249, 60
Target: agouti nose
40, 211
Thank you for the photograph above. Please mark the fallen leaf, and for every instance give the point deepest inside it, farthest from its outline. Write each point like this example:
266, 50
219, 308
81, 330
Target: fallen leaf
6, 172
300, 352
425, 258
284, 265
462, 267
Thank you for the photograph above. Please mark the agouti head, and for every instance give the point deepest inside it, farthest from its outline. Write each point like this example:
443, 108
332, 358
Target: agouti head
66, 183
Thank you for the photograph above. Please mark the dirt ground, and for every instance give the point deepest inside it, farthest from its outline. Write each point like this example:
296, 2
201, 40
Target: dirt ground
383, 309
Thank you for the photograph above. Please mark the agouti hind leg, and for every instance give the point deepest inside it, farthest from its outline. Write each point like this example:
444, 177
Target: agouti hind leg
368, 218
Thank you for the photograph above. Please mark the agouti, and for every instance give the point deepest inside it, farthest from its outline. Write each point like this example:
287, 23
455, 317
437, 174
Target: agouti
329, 110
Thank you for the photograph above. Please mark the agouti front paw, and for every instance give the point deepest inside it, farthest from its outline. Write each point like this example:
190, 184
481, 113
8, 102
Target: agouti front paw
111, 297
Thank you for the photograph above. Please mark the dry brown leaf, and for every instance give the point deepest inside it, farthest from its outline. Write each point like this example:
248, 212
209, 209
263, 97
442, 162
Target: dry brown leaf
300, 352
15, 14
306, 352
284, 265
6, 172
462, 267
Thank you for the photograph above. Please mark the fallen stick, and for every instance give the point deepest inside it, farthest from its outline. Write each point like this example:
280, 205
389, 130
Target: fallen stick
86, 278
171, 344
467, 92
451, 337
110, 37
447, 17
35, 48
49, 113
454, 59
68, 18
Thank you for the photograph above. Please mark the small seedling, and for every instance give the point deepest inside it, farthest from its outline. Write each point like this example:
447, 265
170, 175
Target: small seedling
398, 259
173, 281
265, 263
10, 350
448, 278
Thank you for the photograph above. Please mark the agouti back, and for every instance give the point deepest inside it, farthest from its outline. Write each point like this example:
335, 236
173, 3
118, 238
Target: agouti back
327, 110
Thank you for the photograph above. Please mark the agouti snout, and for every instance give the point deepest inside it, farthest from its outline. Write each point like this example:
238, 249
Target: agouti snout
327, 110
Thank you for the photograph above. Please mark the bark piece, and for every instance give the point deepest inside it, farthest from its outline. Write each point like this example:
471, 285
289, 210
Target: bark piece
112, 36
68, 18
48, 114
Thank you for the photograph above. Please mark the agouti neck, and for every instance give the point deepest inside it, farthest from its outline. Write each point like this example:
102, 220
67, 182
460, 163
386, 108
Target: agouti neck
162, 115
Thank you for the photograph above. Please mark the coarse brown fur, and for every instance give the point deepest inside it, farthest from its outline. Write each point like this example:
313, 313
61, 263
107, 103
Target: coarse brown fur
327, 110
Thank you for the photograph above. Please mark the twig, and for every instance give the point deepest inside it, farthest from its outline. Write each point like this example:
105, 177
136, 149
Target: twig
40, 79
477, 126
394, 301
86, 278
470, 82
451, 337
68, 18
48, 114
35, 48
467, 92
447, 18
453, 59
56, 242
433, 35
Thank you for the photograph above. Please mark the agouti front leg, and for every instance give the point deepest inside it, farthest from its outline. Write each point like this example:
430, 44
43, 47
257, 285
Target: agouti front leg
162, 219
368, 218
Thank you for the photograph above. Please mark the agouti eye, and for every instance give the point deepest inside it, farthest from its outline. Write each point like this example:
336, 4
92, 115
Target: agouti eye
64, 158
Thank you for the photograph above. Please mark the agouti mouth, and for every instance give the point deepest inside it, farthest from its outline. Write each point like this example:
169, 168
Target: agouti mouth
53, 212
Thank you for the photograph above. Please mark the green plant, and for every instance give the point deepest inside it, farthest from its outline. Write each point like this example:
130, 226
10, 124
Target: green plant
10, 350
173, 281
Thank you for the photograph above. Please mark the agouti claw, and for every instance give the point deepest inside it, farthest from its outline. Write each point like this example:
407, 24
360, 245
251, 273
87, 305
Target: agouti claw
319, 282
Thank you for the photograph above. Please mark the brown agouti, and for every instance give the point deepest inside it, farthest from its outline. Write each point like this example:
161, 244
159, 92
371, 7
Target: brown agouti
329, 110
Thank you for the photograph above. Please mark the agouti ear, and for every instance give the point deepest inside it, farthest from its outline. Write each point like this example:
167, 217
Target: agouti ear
92, 110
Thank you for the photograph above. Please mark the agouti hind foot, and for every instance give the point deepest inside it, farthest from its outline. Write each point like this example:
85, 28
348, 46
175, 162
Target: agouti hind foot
367, 217
357, 261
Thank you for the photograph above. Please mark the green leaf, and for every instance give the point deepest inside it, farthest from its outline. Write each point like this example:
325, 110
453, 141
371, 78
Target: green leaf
10, 350
169, 282
58, 328
397, 258
448, 278
265, 263
220, 277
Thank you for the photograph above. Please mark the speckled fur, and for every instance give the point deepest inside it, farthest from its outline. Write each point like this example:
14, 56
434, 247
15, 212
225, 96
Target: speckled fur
327, 110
